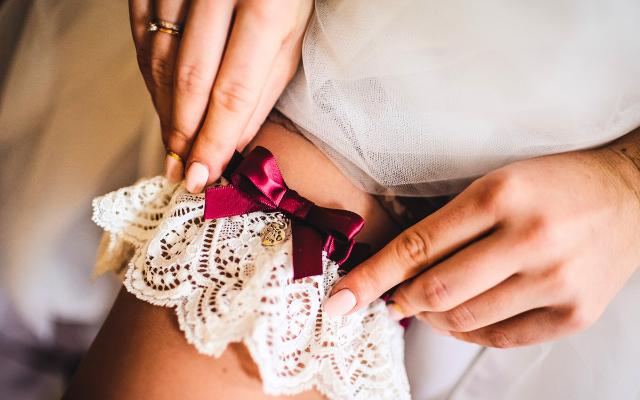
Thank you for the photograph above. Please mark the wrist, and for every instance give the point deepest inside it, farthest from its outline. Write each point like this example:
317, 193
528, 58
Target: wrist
622, 160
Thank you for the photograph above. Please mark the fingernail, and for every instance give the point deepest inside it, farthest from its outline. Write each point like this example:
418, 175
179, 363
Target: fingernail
395, 311
173, 169
441, 331
340, 303
196, 178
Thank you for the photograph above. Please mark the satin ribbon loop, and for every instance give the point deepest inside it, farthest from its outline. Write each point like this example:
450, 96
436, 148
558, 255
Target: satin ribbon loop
257, 185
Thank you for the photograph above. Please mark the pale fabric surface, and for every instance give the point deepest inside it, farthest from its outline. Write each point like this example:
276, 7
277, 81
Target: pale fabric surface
75, 121
436, 362
227, 287
417, 97
599, 363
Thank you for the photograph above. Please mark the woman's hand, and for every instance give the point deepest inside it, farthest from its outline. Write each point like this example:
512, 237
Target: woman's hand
531, 252
214, 85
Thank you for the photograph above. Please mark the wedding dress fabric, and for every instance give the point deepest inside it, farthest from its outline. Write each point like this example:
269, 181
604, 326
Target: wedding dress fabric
418, 97
226, 286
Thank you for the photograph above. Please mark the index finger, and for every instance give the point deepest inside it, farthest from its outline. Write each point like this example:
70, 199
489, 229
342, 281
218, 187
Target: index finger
251, 51
452, 227
200, 52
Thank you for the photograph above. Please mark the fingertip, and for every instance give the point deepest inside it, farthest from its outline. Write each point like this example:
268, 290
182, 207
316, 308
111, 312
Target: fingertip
196, 177
364, 286
340, 303
401, 303
395, 311
217, 156
216, 169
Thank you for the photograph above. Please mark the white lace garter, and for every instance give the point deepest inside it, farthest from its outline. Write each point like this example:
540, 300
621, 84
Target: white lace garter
227, 287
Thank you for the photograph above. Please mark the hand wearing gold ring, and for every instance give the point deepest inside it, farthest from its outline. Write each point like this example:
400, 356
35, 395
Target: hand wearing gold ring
214, 70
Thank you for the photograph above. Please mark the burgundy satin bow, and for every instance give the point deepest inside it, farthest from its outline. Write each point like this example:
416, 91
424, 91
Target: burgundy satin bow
257, 185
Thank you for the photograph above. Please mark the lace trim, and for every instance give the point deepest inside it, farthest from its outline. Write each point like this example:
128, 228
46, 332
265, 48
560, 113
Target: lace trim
227, 287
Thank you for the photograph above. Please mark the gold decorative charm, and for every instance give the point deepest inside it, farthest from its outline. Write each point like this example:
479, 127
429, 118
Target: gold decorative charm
274, 233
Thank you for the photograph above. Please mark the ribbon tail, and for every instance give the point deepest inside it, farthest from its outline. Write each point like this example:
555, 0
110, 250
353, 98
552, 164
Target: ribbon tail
360, 252
307, 244
338, 250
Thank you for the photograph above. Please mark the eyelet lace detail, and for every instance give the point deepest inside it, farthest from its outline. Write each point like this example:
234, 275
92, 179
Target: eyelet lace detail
226, 287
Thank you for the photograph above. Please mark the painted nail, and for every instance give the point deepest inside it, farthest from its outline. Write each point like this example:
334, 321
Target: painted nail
340, 303
196, 178
440, 331
395, 311
173, 169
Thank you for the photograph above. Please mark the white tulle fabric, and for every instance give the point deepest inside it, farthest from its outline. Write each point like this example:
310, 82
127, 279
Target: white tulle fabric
227, 287
418, 97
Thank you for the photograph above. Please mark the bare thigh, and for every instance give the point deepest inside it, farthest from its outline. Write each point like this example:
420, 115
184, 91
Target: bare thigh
140, 353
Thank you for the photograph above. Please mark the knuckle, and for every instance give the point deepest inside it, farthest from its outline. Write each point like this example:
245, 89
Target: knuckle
191, 79
434, 293
498, 191
542, 230
559, 280
499, 339
460, 319
233, 97
161, 72
580, 317
181, 135
413, 247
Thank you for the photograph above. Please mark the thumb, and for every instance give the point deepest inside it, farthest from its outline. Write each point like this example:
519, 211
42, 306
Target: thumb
417, 248
401, 259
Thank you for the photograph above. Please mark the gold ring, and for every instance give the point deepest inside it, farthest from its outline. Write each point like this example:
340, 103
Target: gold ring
169, 31
175, 156
169, 25
152, 26
164, 27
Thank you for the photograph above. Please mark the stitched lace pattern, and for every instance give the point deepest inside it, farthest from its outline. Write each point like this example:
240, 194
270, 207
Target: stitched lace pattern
227, 287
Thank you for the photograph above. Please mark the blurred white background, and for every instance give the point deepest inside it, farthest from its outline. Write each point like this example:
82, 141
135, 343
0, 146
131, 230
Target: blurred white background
74, 116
